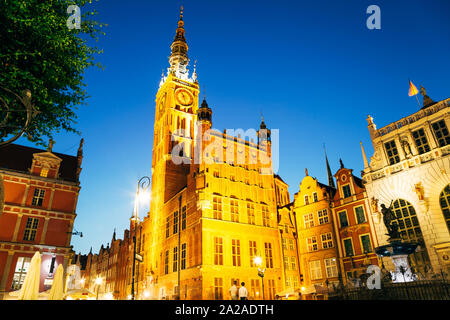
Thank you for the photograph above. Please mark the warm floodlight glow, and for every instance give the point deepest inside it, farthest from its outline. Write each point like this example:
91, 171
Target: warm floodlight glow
146, 294
257, 260
98, 281
82, 281
109, 296
143, 197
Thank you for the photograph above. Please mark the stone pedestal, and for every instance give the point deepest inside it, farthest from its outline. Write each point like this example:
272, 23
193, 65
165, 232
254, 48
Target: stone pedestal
402, 272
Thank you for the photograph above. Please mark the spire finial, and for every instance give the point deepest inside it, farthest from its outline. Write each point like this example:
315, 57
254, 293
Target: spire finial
306, 171
342, 164
330, 175
366, 163
181, 13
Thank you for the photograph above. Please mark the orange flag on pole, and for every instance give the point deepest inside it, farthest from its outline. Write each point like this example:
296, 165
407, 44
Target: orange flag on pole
412, 89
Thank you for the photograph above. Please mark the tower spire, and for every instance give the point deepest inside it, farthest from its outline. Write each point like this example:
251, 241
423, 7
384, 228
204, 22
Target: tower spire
329, 174
179, 59
366, 163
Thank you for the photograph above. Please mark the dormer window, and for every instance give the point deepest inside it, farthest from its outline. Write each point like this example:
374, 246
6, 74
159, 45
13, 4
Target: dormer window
44, 172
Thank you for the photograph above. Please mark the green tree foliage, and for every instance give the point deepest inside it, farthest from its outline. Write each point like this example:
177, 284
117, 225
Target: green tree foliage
40, 53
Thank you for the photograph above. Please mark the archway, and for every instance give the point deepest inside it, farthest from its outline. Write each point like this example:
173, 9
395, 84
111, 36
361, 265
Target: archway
409, 228
444, 200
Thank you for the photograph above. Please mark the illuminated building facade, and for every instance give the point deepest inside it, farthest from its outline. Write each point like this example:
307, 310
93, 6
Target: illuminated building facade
410, 170
41, 193
213, 203
353, 224
316, 237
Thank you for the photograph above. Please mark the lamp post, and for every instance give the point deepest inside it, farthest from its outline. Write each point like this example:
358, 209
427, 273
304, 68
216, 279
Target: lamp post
258, 261
143, 184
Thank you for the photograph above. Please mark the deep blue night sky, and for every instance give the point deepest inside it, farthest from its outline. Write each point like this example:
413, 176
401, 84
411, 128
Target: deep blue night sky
311, 67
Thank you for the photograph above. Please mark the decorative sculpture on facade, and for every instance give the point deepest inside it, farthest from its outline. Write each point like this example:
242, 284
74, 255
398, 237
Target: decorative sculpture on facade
388, 217
418, 188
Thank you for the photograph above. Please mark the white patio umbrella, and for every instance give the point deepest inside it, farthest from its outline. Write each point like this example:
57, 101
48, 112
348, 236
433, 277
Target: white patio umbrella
30, 287
57, 290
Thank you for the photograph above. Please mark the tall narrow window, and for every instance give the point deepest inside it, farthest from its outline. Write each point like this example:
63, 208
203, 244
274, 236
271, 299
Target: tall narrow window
315, 197
283, 243
52, 265
366, 245
183, 256
311, 244
309, 220
234, 207
255, 289
252, 252
315, 269
38, 197
218, 288
167, 227
323, 216
236, 252
217, 208
293, 264
268, 252
306, 200
265, 216
218, 251
166, 262
291, 244
175, 259
421, 141
30, 229
343, 219
271, 289
360, 216
286, 263
348, 247
183, 218
441, 133
444, 200
175, 222
251, 213
392, 152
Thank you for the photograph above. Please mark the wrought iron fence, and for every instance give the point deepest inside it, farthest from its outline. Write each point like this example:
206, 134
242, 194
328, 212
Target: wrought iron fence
416, 290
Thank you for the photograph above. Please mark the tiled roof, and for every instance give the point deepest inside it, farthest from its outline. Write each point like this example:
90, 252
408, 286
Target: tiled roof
18, 158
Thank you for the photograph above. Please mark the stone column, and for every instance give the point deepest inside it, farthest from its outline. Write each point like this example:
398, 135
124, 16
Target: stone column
44, 231
16, 228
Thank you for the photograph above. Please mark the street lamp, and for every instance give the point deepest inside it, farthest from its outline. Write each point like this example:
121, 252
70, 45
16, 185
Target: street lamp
98, 282
258, 261
143, 184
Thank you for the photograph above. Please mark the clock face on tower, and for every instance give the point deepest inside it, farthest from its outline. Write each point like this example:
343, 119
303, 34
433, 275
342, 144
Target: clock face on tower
184, 97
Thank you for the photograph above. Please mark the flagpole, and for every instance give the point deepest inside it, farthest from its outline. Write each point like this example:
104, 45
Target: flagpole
420, 107
410, 83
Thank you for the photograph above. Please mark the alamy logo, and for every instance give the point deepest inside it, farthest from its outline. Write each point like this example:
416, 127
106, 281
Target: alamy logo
74, 21
374, 280
373, 21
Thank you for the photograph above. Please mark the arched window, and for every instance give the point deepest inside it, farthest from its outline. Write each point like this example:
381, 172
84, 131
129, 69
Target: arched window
409, 228
444, 200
